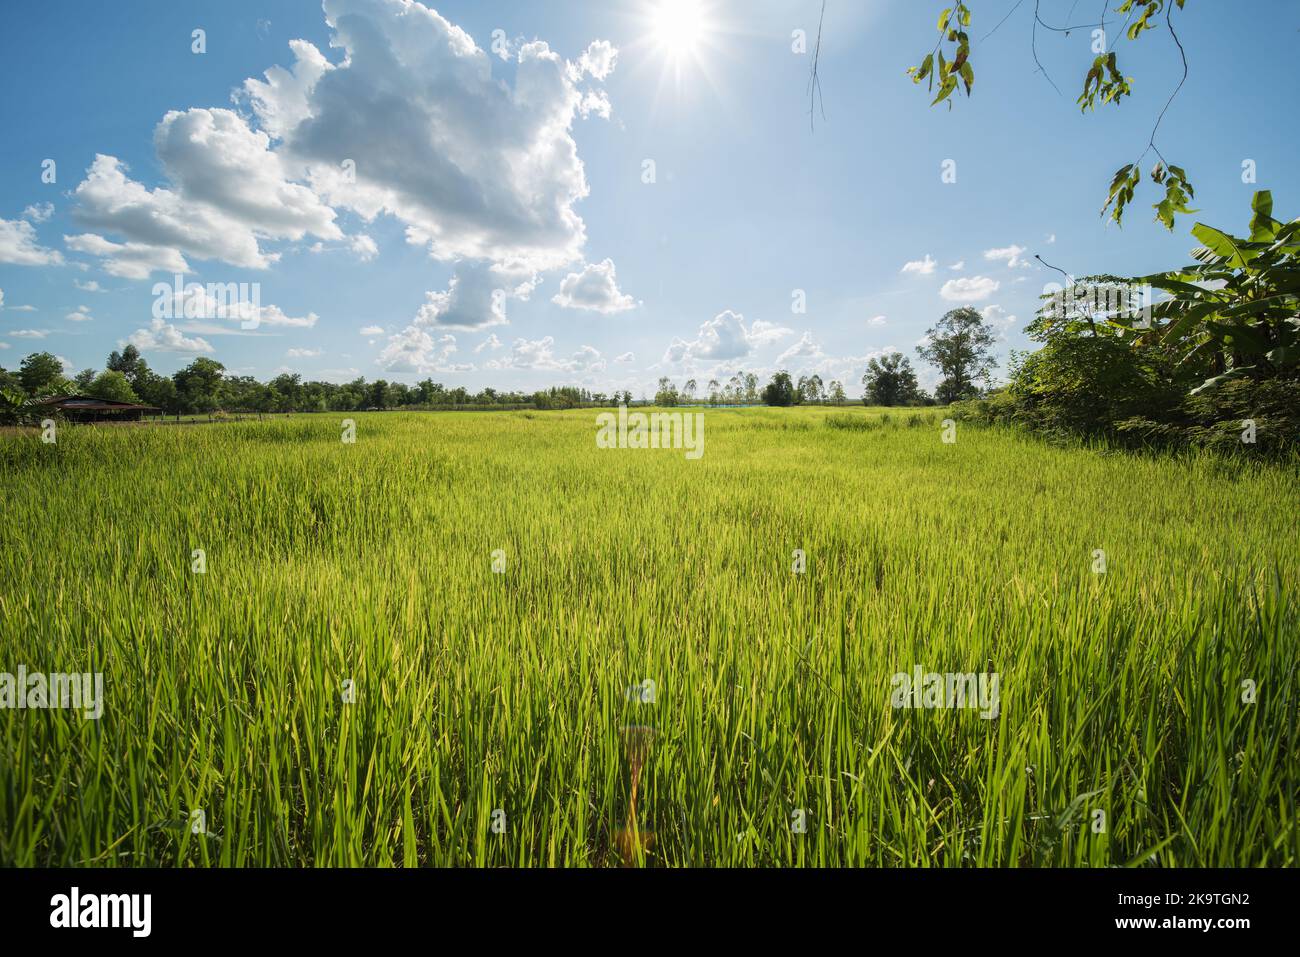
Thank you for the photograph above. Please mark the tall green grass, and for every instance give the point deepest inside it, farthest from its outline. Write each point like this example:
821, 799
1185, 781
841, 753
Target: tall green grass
474, 691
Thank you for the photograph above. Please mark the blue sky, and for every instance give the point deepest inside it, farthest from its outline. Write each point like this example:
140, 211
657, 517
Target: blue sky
499, 229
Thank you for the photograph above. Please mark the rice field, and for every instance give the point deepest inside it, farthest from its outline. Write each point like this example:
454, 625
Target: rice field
458, 640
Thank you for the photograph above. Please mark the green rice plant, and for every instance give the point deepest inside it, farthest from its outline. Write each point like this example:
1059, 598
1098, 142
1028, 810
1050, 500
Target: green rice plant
426, 647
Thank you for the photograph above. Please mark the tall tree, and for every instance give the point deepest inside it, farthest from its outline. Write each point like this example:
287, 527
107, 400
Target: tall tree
961, 346
198, 385
41, 373
889, 380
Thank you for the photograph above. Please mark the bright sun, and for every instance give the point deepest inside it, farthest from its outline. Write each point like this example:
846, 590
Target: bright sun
679, 26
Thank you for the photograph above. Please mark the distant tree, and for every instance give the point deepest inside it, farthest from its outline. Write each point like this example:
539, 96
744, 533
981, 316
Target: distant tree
667, 394
377, 395
41, 373
83, 379
751, 387
130, 363
714, 387
113, 386
837, 392
961, 346
780, 391
811, 388
889, 381
688, 391
198, 385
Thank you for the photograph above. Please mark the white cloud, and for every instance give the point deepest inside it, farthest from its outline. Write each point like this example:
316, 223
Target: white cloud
1051, 238
539, 354
228, 191
920, 267
90, 286
414, 350
802, 352
476, 167
491, 342
763, 333
194, 302
371, 330
474, 299
363, 247
164, 337
39, 212
80, 314
876, 321
128, 260
599, 59
595, 289
625, 358
18, 245
725, 336
304, 353
999, 319
958, 266
1010, 256
30, 333
969, 289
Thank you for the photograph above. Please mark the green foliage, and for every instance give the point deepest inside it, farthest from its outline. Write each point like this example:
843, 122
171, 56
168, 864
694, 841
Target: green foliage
953, 23
41, 374
780, 391
113, 386
1106, 81
961, 346
1236, 312
890, 381
1085, 384
370, 562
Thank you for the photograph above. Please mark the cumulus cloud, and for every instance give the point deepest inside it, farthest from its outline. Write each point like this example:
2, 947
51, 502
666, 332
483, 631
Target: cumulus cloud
595, 289
39, 212
598, 59
228, 192
414, 350
723, 337
802, 352
539, 354
476, 168
958, 266
30, 333
625, 358
1010, 256
876, 321
999, 319
491, 342
18, 245
371, 330
162, 336
128, 260
89, 286
920, 267
304, 353
80, 314
475, 298
969, 289
363, 247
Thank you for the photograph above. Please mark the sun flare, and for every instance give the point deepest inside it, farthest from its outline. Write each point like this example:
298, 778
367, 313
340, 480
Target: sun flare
680, 26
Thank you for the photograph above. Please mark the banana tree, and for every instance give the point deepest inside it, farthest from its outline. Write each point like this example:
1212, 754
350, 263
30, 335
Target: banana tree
1236, 314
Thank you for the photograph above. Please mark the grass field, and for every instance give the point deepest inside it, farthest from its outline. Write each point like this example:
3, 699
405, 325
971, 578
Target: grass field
476, 692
